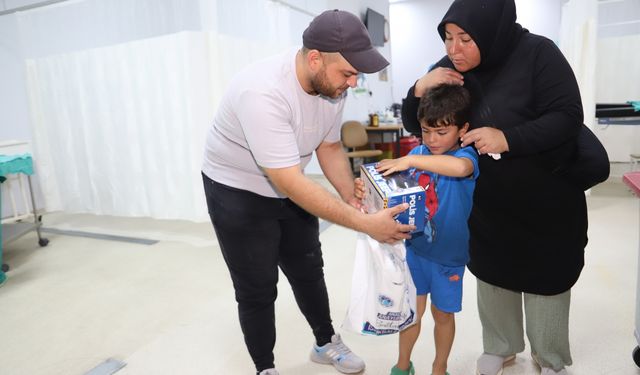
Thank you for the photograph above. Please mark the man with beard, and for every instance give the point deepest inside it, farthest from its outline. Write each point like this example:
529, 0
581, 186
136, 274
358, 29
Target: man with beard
264, 210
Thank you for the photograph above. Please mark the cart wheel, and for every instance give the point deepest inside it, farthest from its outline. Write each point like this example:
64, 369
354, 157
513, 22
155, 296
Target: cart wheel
43, 242
636, 356
5, 268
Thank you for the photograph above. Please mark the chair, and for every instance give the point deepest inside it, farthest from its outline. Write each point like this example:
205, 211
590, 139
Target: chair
354, 135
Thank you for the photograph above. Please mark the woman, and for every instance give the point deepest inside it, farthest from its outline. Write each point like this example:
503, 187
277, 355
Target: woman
528, 224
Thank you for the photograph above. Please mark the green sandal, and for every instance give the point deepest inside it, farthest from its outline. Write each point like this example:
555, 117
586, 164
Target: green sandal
397, 371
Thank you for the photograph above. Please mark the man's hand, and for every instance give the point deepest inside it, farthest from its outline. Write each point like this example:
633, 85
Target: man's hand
383, 227
487, 140
437, 77
389, 166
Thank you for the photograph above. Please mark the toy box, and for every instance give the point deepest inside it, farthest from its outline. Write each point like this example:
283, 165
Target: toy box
383, 192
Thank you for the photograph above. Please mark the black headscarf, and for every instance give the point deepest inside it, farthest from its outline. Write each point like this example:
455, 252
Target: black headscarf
490, 23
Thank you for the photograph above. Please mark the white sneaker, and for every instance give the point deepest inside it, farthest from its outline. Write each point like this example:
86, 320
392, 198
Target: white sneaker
269, 371
337, 354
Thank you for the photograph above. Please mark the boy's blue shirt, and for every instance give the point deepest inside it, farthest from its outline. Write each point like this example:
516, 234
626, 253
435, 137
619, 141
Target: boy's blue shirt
448, 202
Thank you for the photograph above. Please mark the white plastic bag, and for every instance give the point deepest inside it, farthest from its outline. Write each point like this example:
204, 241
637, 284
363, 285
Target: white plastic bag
383, 296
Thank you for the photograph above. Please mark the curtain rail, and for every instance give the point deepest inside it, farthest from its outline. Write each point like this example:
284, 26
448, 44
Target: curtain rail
297, 9
29, 7
49, 2
619, 23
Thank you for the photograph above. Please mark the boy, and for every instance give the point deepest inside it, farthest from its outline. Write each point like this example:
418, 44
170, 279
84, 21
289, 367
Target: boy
437, 257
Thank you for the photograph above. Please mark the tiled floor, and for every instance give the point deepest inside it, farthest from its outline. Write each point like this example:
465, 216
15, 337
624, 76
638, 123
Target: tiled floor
168, 308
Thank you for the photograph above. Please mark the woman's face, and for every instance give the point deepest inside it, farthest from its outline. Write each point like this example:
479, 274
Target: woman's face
461, 49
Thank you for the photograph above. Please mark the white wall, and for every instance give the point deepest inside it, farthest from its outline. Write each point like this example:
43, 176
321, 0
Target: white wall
618, 81
358, 107
415, 43
618, 18
541, 17
618, 72
14, 114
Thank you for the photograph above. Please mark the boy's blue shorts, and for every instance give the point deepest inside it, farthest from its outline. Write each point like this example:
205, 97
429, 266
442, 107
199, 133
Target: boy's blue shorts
444, 283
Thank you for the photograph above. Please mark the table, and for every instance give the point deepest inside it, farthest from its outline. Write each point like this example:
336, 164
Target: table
632, 179
394, 129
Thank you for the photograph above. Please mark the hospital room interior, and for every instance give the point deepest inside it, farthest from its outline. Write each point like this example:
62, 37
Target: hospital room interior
110, 264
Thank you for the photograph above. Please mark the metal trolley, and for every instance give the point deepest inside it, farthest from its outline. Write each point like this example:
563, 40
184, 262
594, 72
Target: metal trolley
17, 190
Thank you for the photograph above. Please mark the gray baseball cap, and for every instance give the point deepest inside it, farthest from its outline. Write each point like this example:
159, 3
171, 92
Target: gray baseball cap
340, 31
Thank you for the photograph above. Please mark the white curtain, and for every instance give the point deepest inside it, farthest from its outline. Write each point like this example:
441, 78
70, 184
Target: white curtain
119, 129
578, 42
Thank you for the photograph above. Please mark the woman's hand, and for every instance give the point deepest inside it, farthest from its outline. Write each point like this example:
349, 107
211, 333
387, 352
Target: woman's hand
437, 77
487, 140
389, 166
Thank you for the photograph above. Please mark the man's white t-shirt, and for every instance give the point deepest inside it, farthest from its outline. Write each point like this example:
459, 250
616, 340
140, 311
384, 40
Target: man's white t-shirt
267, 120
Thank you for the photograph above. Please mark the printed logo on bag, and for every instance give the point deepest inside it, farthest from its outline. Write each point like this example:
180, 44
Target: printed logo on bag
385, 301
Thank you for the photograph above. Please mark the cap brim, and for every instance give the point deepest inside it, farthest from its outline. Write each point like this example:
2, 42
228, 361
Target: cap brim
367, 61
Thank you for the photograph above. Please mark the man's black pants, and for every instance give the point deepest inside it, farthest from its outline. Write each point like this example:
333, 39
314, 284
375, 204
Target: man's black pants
257, 234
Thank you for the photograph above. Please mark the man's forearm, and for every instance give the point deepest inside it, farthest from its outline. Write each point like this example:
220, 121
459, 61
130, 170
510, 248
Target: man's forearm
316, 199
336, 168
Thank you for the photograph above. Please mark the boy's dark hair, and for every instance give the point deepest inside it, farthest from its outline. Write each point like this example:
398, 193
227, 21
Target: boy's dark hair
445, 105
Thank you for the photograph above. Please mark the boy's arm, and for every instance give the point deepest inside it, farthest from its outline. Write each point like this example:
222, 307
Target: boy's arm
445, 165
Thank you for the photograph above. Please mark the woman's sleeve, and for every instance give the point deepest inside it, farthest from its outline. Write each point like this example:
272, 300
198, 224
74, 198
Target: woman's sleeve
556, 100
410, 112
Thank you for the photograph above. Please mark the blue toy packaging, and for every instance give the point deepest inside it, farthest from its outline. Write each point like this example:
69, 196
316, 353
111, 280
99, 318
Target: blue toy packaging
384, 192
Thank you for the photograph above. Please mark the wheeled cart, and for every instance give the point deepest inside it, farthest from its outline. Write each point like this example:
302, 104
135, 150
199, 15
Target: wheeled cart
632, 179
15, 177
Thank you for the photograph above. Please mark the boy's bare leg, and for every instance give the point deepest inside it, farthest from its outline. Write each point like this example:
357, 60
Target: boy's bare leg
443, 332
409, 336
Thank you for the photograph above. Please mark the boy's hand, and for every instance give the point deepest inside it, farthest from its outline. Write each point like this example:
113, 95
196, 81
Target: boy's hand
389, 166
359, 188
358, 194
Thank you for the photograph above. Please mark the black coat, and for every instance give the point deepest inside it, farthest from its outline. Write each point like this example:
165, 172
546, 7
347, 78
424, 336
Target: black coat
529, 220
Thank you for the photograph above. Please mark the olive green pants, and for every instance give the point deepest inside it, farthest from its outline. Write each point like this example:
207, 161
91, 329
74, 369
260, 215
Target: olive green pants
547, 322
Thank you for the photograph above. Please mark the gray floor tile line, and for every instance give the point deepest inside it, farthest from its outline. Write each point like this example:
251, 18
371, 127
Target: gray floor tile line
100, 236
108, 367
